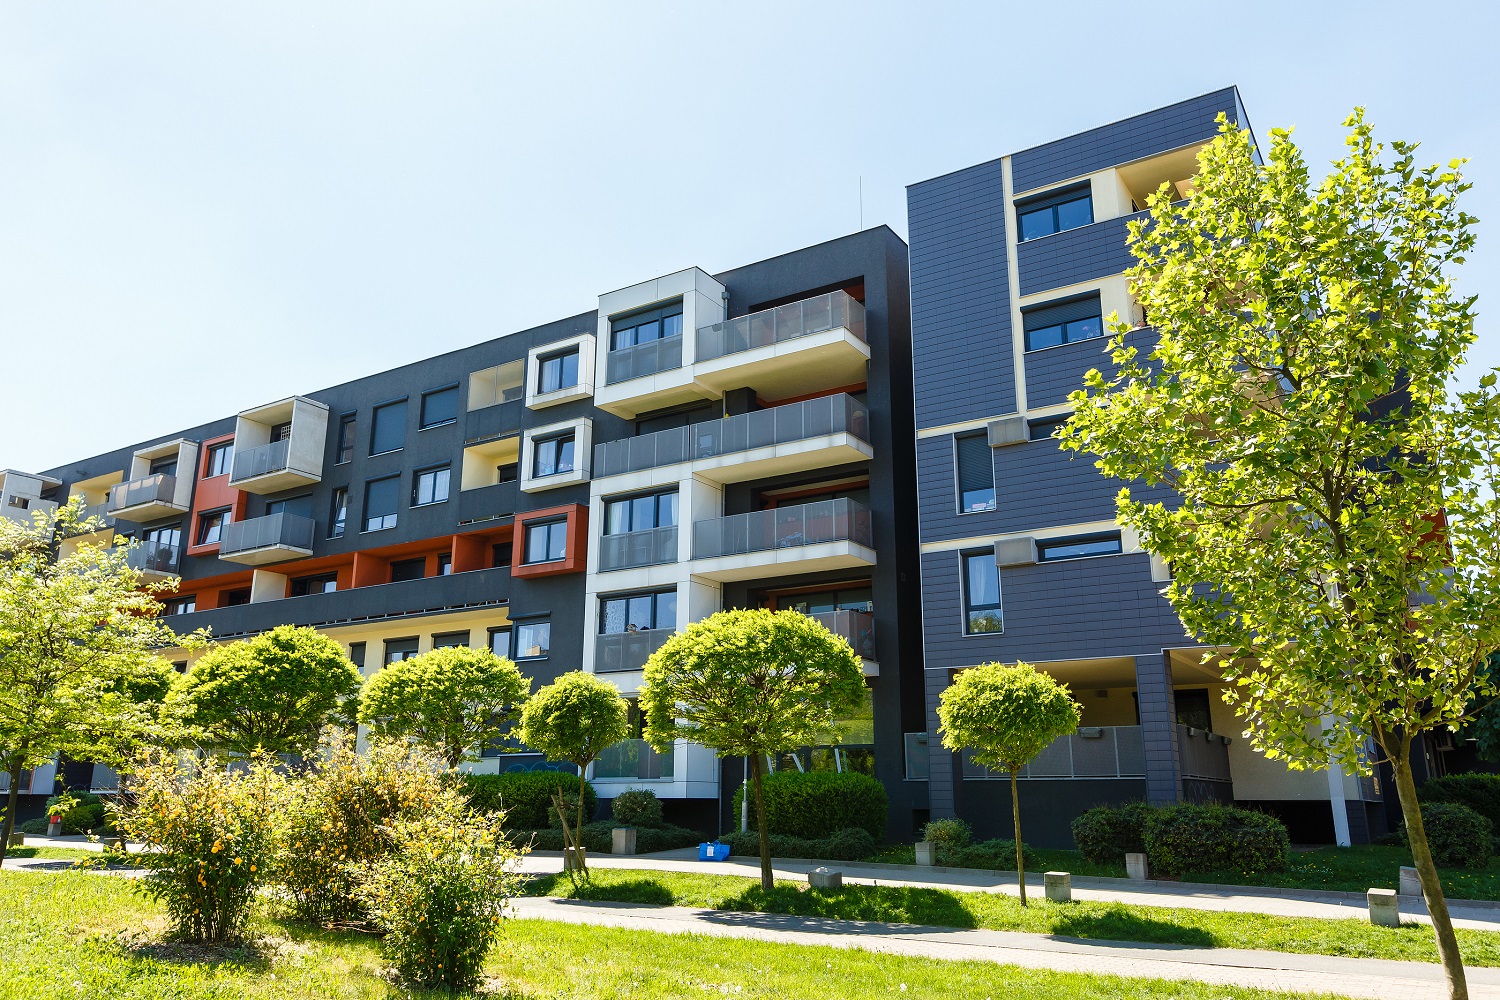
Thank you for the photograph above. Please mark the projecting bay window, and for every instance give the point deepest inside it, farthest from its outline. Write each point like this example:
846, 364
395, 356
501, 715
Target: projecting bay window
1065, 322
1055, 212
982, 611
975, 469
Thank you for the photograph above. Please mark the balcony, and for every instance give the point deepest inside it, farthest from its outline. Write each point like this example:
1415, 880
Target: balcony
797, 437
1203, 755
487, 503
858, 627
494, 421
796, 348
632, 760
274, 538
148, 499
622, 651
279, 446
641, 360
809, 538
155, 561
1092, 752
268, 468
630, 549
98, 512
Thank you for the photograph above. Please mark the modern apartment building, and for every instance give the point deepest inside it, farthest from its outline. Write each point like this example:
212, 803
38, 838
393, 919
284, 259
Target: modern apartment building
1016, 264
568, 496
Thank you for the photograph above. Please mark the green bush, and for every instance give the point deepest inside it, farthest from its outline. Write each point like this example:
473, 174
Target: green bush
947, 835
638, 807
88, 815
1205, 838
597, 838
817, 804
526, 796
995, 855
1459, 837
850, 844
1105, 834
1480, 792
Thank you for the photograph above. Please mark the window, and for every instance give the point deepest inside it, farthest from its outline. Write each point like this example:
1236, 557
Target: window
299, 506
644, 327
1077, 548
638, 612
211, 526
430, 486
445, 564
388, 428
822, 602
235, 598
397, 650
164, 466
160, 547
382, 497
533, 639
982, 594
546, 542
323, 583
338, 514
508, 473
280, 432
219, 458
558, 372
180, 666
1064, 322
1041, 430
357, 654
697, 413
554, 456
976, 472
181, 606
408, 569
446, 640
439, 407
501, 554
1055, 212
347, 427
500, 642
654, 510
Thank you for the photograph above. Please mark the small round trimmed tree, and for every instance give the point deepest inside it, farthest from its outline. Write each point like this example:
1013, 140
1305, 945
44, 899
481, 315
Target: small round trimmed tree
450, 700
272, 694
575, 718
1005, 716
750, 683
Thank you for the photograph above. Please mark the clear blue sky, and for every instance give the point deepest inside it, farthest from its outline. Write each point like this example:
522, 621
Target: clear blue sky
208, 206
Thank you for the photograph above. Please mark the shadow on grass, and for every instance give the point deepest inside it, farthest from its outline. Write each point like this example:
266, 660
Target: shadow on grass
1120, 924
253, 954
885, 904
640, 890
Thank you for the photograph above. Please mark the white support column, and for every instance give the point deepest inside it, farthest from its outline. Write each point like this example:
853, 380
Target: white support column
1336, 799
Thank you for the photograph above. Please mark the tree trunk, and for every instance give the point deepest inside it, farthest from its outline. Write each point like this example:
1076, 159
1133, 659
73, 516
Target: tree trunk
767, 880
12, 798
1015, 816
1432, 888
583, 865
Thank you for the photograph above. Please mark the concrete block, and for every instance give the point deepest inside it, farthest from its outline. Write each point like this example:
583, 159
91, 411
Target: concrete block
1008, 430
573, 859
1411, 882
18, 839
622, 840
1135, 867
926, 853
1385, 907
825, 878
1059, 886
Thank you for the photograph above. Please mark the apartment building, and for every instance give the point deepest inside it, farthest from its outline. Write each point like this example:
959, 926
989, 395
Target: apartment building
569, 496
1016, 265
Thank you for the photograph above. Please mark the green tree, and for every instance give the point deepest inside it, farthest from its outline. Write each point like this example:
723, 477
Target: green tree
451, 700
1335, 538
575, 718
270, 694
78, 675
1005, 716
751, 683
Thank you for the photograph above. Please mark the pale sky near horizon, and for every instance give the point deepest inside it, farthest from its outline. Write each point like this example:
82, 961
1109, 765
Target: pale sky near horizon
206, 207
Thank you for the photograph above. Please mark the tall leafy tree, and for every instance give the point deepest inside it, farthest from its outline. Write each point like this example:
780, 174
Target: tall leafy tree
751, 683
78, 675
451, 700
1004, 716
1335, 539
270, 694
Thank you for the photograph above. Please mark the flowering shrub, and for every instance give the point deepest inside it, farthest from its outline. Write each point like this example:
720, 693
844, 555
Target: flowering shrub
440, 895
638, 807
210, 835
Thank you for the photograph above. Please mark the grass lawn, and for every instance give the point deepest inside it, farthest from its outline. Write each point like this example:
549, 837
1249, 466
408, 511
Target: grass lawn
74, 934
53, 853
996, 911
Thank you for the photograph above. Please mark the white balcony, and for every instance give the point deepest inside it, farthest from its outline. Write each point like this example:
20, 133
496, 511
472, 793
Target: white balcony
273, 538
279, 446
790, 350
159, 484
809, 538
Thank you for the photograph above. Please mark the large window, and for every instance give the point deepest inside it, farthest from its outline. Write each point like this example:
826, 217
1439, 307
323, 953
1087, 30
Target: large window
654, 510
388, 428
397, 650
1064, 322
533, 640
546, 542
338, 512
1079, 547
638, 612
403, 570
220, 457
323, 583
430, 485
180, 606
211, 526
500, 642
382, 498
557, 372
1055, 212
644, 327
440, 406
554, 456
347, 427
982, 594
976, 472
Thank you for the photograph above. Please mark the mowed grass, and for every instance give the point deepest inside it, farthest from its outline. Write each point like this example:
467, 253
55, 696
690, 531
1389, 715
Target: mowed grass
54, 853
76, 934
997, 911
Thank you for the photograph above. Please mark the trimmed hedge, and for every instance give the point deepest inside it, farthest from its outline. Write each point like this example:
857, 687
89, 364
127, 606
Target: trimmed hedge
818, 804
638, 807
526, 796
598, 840
1459, 837
1192, 838
850, 844
947, 835
88, 816
1479, 792
994, 855
1105, 834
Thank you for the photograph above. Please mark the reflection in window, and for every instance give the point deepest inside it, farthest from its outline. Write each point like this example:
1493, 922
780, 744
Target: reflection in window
982, 594
533, 640
638, 612
546, 542
558, 372
654, 510
554, 456
1078, 548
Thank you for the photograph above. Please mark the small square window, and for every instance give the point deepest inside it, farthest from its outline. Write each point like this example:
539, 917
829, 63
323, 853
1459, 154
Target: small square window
546, 542
211, 526
219, 460
553, 456
533, 640
557, 372
430, 486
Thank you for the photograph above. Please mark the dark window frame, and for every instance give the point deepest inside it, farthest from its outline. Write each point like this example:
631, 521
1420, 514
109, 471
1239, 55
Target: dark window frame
408, 646
184, 605
494, 631
973, 608
338, 513
1076, 319
224, 514
394, 515
1042, 429
211, 462
423, 423
1045, 545
543, 361
537, 444
1050, 203
976, 445
431, 470
348, 428
305, 584
542, 623
633, 323
400, 568
547, 525
656, 609
631, 499
387, 407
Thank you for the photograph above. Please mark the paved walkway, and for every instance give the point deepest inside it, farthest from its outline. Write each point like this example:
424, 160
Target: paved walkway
1364, 978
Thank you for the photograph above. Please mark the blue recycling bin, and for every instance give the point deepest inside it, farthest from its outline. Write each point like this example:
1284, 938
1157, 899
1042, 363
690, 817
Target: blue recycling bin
713, 851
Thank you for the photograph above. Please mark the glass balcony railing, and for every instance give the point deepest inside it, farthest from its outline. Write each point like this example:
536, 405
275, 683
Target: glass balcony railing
782, 527
643, 359
856, 626
160, 488
650, 547
831, 311
633, 759
154, 557
627, 650
291, 531
93, 512
810, 418
260, 461
1092, 752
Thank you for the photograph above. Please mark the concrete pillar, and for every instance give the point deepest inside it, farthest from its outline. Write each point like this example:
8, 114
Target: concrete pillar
942, 765
1158, 708
1410, 883
1336, 799
825, 878
1058, 886
1135, 867
1385, 907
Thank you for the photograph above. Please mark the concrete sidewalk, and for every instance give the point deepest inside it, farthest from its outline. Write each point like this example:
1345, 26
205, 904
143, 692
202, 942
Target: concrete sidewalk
1364, 978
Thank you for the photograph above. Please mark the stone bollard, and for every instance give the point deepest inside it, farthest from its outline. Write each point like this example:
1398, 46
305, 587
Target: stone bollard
1385, 907
1059, 886
18, 840
926, 853
573, 859
825, 878
622, 840
1410, 883
1135, 867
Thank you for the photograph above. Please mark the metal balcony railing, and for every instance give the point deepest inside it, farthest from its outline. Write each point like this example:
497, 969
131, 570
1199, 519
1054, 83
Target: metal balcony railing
160, 488
1203, 754
494, 421
640, 360
154, 557
485, 503
292, 531
260, 461
830, 311
1092, 752
648, 547
810, 418
633, 759
856, 626
619, 651
782, 527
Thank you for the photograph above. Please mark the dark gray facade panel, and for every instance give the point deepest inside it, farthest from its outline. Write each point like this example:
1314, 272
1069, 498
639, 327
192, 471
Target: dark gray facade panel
1158, 710
1074, 255
1054, 373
